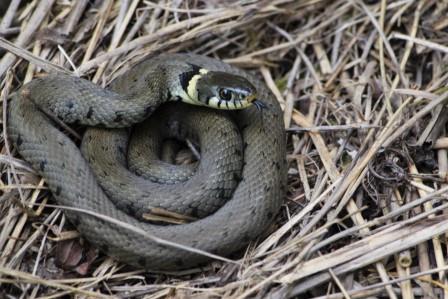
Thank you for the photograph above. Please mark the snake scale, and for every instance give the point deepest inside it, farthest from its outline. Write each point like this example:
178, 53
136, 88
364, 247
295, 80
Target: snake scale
259, 181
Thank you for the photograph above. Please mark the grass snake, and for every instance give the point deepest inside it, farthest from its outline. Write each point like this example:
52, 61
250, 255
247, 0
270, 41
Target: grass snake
240, 178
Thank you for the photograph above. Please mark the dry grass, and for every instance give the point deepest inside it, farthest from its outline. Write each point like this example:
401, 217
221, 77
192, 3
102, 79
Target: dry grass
363, 87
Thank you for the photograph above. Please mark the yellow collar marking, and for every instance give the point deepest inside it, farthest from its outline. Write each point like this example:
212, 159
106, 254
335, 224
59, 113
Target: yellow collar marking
191, 89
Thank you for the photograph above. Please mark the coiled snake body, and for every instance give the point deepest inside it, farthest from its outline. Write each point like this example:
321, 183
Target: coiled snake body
250, 208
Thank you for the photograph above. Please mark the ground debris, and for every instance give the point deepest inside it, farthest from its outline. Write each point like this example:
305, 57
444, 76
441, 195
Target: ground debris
363, 89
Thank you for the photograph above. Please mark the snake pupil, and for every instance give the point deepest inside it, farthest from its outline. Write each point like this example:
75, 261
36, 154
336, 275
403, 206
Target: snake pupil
225, 94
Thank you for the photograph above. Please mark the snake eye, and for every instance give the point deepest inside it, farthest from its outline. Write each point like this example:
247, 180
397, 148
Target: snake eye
225, 94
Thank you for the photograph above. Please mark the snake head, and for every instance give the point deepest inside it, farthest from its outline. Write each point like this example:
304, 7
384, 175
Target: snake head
222, 90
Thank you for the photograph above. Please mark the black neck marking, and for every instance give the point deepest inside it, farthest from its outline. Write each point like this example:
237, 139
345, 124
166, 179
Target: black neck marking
185, 77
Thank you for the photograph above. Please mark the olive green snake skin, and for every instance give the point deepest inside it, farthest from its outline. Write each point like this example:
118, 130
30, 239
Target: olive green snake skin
247, 213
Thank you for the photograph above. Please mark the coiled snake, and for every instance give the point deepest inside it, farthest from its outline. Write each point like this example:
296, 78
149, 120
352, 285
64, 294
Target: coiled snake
258, 173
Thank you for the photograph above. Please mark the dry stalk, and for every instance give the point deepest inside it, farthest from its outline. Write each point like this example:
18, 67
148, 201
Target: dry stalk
354, 78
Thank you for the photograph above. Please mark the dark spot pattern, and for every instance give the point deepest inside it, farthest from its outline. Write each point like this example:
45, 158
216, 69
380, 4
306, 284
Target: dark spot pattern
237, 178
194, 212
276, 164
142, 261
121, 150
42, 165
89, 113
19, 140
118, 117
69, 104
129, 208
221, 193
75, 221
